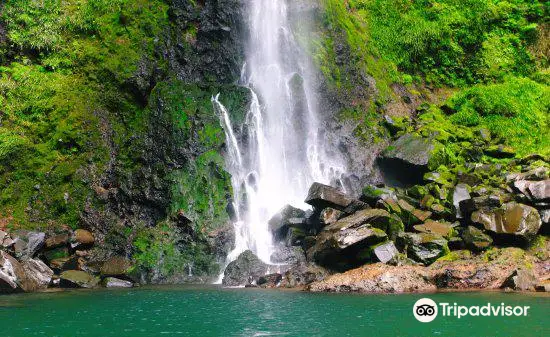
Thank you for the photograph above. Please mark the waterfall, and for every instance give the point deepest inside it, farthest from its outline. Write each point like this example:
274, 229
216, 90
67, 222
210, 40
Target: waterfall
283, 151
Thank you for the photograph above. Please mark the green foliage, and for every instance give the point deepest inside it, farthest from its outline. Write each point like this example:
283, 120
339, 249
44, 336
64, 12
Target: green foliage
452, 42
65, 68
515, 111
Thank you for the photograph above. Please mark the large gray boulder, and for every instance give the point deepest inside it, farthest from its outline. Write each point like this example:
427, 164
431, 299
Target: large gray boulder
244, 270
340, 245
422, 247
27, 244
386, 252
288, 255
112, 282
322, 196
406, 160
38, 274
512, 218
11, 273
77, 279
287, 216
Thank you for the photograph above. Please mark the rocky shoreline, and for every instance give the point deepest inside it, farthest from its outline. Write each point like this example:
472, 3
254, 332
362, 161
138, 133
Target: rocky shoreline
458, 227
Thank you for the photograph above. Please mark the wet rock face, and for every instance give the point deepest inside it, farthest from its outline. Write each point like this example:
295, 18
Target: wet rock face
11, 273
244, 270
38, 274
512, 218
77, 279
422, 247
286, 217
339, 245
475, 239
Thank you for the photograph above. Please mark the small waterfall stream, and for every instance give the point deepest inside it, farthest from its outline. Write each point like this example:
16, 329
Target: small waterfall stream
282, 153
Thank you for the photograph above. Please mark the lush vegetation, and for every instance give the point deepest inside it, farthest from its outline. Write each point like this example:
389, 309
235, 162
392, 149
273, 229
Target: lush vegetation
493, 52
65, 69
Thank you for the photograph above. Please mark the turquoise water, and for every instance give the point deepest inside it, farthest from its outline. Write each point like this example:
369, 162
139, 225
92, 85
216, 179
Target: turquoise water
210, 311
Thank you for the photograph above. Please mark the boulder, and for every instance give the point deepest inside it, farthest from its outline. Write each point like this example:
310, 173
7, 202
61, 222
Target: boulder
288, 255
522, 279
77, 279
56, 241
406, 160
444, 229
246, 268
411, 215
116, 266
371, 194
11, 273
386, 252
422, 247
287, 216
82, 238
475, 239
303, 274
322, 196
270, 280
38, 274
27, 244
340, 245
331, 215
512, 218
5, 240
66, 263
460, 193
112, 282
540, 190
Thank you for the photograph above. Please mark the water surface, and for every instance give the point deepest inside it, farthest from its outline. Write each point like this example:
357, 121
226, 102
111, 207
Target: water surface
211, 311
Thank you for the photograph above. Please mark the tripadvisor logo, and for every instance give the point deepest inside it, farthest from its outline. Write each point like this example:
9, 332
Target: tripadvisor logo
425, 310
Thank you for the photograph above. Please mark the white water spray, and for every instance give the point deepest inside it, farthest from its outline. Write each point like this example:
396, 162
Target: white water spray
282, 154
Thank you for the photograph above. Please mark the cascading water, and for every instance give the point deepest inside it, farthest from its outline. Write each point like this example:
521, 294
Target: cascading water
281, 153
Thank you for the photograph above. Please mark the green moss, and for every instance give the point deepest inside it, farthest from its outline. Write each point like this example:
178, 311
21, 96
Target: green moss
63, 73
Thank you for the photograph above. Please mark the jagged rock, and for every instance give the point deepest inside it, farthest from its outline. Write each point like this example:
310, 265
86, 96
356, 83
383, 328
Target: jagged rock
112, 282
422, 247
411, 215
545, 216
322, 196
82, 238
303, 274
244, 269
66, 263
116, 266
521, 279
270, 280
77, 279
5, 240
27, 244
411, 154
38, 274
444, 229
331, 215
56, 241
295, 236
386, 252
223, 240
11, 273
512, 218
376, 278
485, 202
475, 239
288, 255
460, 193
540, 190
280, 222
339, 245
